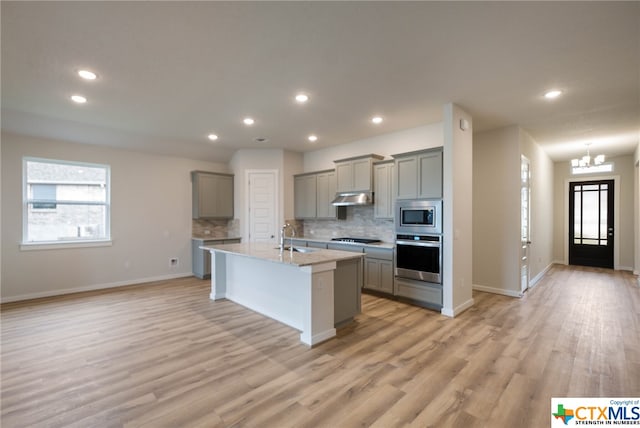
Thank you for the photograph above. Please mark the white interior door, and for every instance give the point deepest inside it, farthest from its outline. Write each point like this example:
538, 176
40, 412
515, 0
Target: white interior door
262, 205
525, 224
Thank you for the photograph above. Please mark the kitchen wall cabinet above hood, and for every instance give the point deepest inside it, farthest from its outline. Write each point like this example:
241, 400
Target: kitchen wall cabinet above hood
354, 178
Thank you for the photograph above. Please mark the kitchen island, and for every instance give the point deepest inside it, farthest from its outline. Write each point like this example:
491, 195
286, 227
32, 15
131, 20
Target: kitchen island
311, 290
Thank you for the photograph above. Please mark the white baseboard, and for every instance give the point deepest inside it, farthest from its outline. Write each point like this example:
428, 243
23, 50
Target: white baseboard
452, 313
92, 287
510, 293
538, 277
559, 262
627, 268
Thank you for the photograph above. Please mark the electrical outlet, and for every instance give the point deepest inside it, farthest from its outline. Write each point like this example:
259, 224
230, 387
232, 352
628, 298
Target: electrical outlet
173, 262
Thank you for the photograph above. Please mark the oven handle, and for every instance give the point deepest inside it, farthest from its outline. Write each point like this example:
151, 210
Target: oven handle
419, 244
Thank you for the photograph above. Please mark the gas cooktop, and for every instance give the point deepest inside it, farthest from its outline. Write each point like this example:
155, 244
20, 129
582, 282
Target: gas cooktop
358, 240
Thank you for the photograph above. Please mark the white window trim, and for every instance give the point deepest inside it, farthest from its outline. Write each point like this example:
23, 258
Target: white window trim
56, 245
75, 243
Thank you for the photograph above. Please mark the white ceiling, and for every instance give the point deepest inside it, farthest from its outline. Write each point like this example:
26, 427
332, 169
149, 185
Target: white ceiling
172, 72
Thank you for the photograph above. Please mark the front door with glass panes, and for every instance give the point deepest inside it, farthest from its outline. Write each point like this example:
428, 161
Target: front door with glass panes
591, 223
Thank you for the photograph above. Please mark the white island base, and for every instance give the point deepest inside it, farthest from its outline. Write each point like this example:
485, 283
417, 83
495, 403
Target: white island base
300, 296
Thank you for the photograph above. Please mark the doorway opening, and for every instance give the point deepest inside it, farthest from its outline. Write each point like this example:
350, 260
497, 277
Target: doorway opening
525, 223
591, 223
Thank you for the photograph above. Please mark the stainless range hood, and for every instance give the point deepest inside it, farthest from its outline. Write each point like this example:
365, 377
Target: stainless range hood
352, 198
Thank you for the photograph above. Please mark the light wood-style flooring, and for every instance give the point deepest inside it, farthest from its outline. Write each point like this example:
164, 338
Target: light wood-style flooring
163, 354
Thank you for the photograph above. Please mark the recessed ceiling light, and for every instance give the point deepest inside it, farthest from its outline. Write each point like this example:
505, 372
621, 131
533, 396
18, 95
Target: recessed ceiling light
260, 139
376, 119
248, 121
555, 93
302, 98
87, 75
212, 137
313, 138
78, 99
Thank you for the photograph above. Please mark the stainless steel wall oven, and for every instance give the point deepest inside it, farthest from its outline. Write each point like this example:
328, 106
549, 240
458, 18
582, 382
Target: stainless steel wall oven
419, 257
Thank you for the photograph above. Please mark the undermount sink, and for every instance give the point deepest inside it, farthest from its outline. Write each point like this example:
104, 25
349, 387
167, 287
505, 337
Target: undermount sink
299, 249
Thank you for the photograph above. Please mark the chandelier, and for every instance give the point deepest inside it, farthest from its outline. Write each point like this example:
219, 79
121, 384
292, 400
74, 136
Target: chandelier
587, 161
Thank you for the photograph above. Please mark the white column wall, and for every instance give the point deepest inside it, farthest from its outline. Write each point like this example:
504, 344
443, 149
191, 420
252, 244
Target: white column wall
457, 244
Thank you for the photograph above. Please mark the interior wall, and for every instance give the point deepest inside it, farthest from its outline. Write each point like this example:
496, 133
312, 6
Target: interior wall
637, 211
150, 221
408, 140
623, 168
255, 159
542, 229
496, 211
457, 245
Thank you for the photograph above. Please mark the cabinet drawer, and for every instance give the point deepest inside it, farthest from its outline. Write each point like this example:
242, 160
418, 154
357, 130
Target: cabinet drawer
379, 253
429, 295
346, 247
295, 242
314, 244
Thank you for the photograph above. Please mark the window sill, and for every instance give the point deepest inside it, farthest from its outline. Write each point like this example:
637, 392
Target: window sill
52, 245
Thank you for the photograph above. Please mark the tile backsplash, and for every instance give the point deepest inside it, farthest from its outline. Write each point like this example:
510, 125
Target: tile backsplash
216, 228
360, 223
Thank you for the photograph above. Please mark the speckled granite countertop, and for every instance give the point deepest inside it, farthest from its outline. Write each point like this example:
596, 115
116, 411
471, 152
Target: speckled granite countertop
270, 252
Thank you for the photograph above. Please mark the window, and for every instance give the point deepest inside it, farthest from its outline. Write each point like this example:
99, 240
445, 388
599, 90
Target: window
605, 167
65, 202
41, 193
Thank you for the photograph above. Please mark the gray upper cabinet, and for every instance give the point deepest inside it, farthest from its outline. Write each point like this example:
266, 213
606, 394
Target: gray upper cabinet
383, 178
419, 174
304, 194
325, 192
355, 174
212, 195
313, 193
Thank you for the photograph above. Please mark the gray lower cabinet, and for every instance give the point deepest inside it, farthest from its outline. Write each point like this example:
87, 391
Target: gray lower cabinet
421, 293
201, 259
378, 270
345, 247
315, 244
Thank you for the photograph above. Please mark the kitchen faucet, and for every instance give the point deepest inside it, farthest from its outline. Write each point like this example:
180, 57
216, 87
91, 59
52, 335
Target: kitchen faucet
282, 236
282, 233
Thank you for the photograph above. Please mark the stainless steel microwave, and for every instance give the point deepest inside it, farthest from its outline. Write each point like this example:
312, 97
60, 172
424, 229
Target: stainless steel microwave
419, 216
